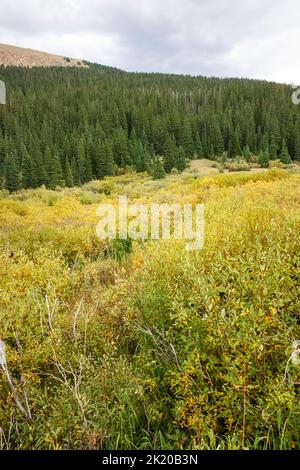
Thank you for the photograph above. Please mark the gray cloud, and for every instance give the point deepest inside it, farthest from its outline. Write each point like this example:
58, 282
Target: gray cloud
257, 39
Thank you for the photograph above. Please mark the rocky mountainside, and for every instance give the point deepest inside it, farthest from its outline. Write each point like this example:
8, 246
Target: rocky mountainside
20, 57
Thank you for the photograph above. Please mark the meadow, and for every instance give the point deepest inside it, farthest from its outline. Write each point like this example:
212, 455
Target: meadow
144, 345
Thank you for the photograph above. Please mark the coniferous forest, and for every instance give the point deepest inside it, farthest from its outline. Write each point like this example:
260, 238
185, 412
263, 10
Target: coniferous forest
67, 126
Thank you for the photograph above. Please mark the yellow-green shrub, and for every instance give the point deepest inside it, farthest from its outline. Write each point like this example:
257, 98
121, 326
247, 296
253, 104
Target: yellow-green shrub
161, 348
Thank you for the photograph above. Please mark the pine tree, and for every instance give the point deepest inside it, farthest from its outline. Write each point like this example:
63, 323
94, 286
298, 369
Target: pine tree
142, 158
265, 143
186, 140
273, 148
264, 158
105, 160
148, 157
38, 170
297, 140
145, 141
12, 176
75, 172
54, 175
134, 149
284, 155
68, 175
198, 146
180, 160
234, 145
84, 163
246, 153
158, 168
120, 148
169, 153
204, 140
27, 170
216, 138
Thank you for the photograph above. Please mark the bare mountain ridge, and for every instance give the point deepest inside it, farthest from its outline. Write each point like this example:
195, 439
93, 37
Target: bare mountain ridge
20, 57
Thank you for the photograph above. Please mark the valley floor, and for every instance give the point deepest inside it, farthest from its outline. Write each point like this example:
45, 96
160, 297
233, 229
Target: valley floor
113, 345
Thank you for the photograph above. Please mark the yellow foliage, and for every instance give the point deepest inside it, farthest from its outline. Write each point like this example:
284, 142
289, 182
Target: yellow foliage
113, 353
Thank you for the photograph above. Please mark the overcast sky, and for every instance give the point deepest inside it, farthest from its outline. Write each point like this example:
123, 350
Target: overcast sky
236, 38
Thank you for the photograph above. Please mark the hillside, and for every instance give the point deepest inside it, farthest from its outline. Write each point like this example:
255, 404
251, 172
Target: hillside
20, 57
67, 126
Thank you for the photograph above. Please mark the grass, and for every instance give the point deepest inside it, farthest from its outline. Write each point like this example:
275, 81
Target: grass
148, 346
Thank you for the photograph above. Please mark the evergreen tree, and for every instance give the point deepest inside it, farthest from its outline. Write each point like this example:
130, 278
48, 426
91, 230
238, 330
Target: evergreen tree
180, 160
69, 179
12, 176
264, 158
27, 170
169, 153
234, 145
198, 147
284, 155
54, 176
187, 138
297, 140
38, 170
75, 172
105, 160
148, 161
246, 153
273, 148
217, 141
120, 148
84, 163
265, 143
158, 168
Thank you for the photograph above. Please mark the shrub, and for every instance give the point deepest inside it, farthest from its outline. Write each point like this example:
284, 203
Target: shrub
278, 164
118, 249
101, 187
162, 349
237, 166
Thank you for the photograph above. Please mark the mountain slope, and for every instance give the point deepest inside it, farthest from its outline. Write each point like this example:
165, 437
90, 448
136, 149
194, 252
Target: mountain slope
20, 57
67, 125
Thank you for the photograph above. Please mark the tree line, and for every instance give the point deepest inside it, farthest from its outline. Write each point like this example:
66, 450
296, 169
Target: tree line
67, 126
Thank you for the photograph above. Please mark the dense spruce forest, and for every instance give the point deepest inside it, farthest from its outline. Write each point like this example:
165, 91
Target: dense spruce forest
67, 126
